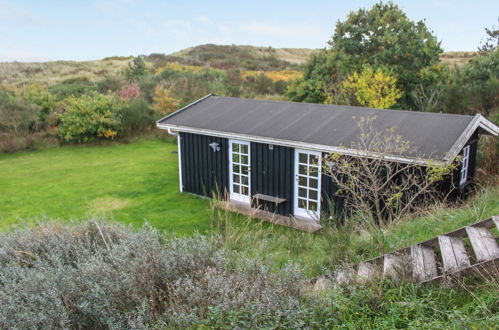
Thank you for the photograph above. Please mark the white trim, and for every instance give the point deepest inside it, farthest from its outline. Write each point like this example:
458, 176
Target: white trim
478, 122
179, 153
301, 145
465, 163
298, 211
238, 196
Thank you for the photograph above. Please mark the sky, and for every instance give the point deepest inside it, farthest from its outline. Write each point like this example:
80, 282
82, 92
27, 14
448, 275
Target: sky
35, 30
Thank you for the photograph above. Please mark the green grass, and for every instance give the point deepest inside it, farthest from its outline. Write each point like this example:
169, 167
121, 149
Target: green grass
132, 183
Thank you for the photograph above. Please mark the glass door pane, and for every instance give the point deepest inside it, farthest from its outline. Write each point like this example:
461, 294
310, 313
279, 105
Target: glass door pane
240, 171
307, 183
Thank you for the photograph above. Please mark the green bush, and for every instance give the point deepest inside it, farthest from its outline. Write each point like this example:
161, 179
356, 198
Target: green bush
89, 117
137, 117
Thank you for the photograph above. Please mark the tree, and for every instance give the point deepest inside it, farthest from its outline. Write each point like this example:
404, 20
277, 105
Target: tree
491, 41
136, 69
379, 187
381, 37
164, 103
372, 88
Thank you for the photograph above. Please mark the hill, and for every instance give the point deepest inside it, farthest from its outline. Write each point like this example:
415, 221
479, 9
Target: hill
224, 57
211, 56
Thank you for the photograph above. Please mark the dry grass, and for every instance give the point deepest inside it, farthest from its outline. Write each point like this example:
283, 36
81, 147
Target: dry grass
18, 74
457, 59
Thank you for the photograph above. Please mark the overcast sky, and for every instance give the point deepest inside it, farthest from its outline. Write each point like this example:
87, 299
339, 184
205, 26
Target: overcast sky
82, 30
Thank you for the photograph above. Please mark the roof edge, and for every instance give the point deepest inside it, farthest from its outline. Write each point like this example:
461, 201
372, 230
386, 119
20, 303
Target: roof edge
304, 145
183, 108
478, 121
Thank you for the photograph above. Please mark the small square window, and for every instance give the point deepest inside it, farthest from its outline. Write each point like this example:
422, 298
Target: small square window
312, 194
302, 158
244, 180
235, 188
302, 203
235, 147
312, 206
244, 148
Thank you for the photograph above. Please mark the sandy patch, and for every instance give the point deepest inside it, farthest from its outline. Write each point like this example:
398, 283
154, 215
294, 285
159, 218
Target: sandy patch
108, 203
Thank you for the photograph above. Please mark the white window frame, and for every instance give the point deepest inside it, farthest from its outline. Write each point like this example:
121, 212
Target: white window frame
297, 211
237, 196
465, 163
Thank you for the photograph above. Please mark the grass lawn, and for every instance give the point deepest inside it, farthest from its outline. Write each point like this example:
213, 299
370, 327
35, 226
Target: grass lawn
132, 183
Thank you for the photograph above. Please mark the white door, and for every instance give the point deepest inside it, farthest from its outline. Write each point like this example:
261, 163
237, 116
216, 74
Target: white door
307, 201
239, 168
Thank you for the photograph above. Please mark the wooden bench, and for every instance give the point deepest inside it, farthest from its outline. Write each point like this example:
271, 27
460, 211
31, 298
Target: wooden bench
268, 198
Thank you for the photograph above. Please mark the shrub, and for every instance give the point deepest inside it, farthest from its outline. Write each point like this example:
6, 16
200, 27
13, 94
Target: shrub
137, 117
88, 117
95, 275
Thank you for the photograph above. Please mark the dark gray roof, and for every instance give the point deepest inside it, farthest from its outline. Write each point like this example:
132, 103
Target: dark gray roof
433, 134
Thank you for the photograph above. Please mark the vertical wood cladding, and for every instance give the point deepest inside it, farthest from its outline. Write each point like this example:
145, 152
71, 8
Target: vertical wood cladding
272, 174
204, 171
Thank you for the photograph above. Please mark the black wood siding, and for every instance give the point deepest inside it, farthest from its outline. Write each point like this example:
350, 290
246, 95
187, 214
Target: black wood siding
203, 170
331, 203
272, 173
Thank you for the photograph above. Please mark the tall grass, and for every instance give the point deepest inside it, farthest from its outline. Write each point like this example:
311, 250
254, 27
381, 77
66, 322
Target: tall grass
355, 240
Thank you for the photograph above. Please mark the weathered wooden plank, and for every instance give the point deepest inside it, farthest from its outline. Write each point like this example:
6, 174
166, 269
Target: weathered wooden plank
367, 272
424, 263
395, 266
495, 219
343, 276
483, 243
273, 199
454, 254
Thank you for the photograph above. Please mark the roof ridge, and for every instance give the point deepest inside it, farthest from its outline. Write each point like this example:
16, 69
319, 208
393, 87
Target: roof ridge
416, 112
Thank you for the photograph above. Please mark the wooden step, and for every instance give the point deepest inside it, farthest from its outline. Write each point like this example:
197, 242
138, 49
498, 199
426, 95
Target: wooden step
454, 254
343, 276
495, 219
424, 263
368, 271
483, 243
395, 266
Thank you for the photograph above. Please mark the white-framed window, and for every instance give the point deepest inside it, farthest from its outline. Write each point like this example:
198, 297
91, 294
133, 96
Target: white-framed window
465, 165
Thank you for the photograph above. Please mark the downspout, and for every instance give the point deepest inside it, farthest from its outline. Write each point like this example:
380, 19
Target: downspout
171, 132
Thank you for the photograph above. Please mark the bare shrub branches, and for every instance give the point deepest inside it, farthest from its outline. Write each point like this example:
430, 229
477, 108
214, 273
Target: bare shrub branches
380, 187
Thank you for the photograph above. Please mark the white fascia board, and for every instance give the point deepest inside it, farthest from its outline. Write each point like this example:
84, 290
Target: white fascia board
302, 145
478, 122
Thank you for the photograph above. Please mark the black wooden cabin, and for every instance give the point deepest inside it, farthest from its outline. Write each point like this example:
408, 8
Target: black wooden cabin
268, 153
